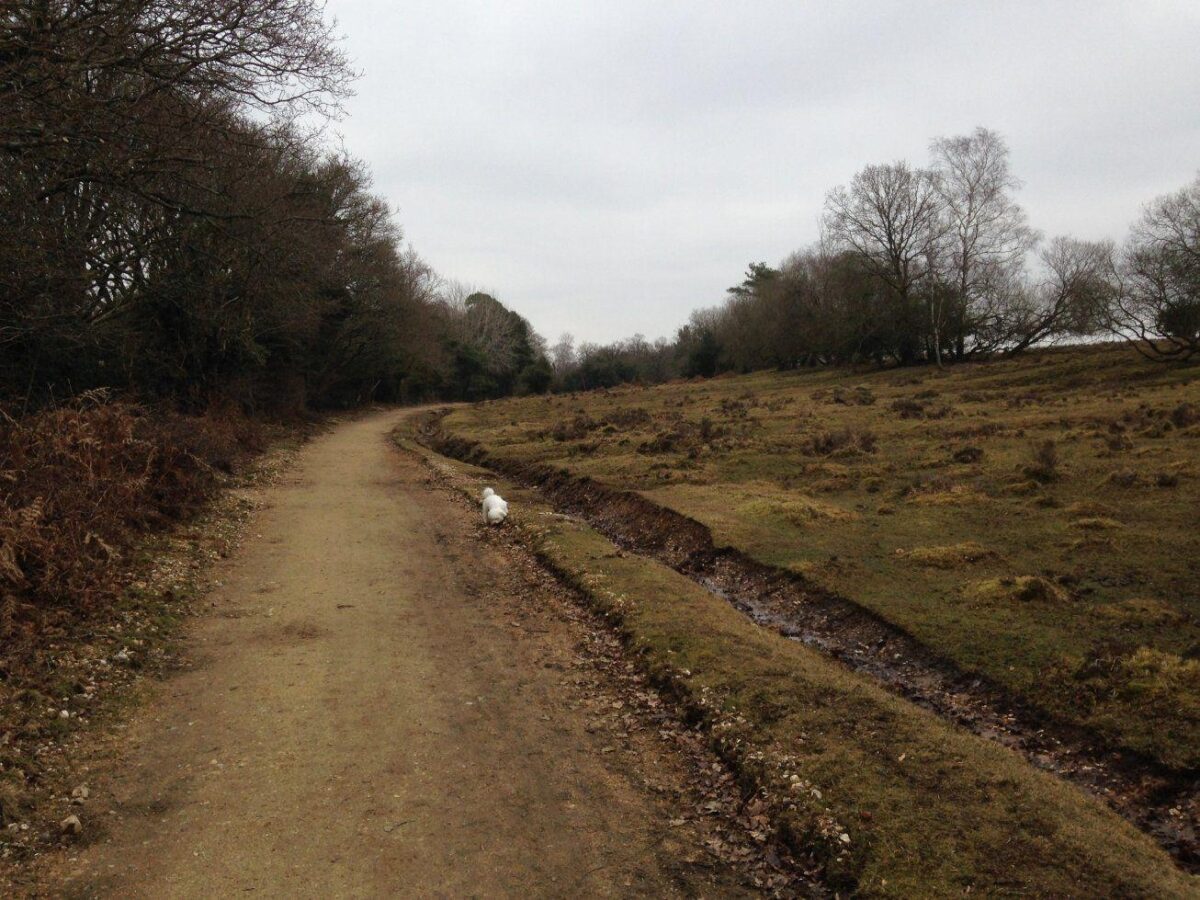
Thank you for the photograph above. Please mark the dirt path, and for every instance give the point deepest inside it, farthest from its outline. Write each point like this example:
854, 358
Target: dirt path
365, 718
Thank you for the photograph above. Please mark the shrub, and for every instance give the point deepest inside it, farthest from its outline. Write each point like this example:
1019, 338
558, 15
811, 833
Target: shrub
678, 438
1043, 466
845, 441
1123, 478
574, 430
628, 417
1185, 414
908, 408
77, 485
859, 395
734, 409
1118, 442
710, 430
968, 455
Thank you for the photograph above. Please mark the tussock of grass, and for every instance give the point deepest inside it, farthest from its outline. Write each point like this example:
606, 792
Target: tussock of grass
1155, 673
947, 556
1142, 611
1092, 543
1123, 478
951, 495
799, 511
1023, 488
1163, 684
1096, 523
1023, 589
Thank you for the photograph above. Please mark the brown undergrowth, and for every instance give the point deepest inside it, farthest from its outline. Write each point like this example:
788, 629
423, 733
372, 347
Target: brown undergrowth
80, 483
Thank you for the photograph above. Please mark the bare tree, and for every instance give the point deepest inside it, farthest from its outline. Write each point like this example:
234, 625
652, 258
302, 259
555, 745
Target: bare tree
148, 159
892, 217
1158, 308
476, 322
562, 354
1078, 284
988, 237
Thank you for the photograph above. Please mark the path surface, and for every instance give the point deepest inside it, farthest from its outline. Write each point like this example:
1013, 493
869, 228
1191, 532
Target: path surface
363, 720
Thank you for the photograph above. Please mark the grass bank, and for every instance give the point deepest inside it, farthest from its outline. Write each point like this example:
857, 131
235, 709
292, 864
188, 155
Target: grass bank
893, 800
1032, 521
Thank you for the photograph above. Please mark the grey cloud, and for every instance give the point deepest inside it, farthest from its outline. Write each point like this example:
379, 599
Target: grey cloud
607, 167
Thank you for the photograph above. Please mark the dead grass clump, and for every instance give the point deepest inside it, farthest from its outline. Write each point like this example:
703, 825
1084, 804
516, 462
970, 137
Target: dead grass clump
1125, 478
798, 511
1023, 488
859, 395
948, 556
628, 417
1185, 415
674, 440
1043, 465
1091, 543
574, 430
1142, 611
1089, 508
843, 442
1024, 589
938, 490
79, 482
1097, 523
968, 455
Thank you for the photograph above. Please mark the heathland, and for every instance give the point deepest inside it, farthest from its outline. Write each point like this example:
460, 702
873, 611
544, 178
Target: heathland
1032, 521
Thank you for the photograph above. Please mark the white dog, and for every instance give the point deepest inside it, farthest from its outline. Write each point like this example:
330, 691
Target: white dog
495, 509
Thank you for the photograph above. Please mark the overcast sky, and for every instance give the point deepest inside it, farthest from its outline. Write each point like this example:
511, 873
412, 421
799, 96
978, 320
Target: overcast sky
606, 167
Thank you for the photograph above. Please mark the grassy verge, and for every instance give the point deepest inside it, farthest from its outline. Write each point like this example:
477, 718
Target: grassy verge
892, 799
1032, 521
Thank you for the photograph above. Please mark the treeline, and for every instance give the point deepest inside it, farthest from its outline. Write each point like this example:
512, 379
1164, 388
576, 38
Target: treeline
933, 264
172, 224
